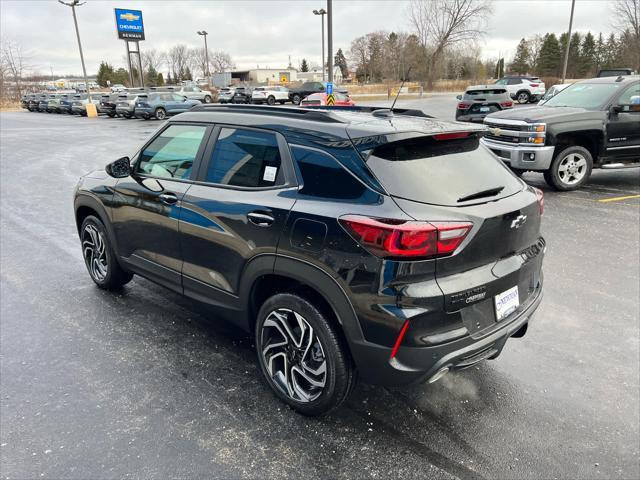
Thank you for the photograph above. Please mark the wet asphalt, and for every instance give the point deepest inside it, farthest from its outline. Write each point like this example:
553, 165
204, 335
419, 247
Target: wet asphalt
147, 384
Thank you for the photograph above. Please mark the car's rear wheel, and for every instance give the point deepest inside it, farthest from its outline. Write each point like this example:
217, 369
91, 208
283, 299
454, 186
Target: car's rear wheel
570, 169
99, 256
271, 100
207, 99
111, 114
302, 356
297, 99
160, 114
523, 97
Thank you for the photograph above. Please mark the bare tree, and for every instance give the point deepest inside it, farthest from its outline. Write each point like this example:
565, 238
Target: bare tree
13, 63
534, 44
439, 24
627, 21
221, 61
153, 59
178, 60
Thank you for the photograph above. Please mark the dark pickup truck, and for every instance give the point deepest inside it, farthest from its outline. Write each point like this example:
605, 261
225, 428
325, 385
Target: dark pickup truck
594, 123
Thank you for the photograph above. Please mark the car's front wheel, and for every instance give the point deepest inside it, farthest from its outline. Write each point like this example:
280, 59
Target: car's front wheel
301, 355
271, 100
99, 256
207, 99
570, 169
297, 99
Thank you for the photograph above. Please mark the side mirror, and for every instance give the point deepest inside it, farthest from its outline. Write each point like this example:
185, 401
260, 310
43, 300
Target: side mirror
121, 168
459, 97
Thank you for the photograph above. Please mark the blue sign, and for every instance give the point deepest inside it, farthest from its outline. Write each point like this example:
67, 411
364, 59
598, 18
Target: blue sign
129, 24
329, 88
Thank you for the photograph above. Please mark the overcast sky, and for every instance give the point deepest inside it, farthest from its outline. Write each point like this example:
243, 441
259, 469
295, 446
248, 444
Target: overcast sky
259, 32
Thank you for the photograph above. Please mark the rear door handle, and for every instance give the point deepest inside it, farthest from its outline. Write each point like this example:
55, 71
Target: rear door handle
260, 219
168, 198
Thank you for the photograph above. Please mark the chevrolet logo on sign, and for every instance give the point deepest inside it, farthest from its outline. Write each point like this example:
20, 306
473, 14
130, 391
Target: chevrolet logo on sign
130, 17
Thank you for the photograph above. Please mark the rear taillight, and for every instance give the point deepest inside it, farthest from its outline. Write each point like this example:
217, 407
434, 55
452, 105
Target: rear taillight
540, 195
508, 104
406, 239
534, 84
463, 105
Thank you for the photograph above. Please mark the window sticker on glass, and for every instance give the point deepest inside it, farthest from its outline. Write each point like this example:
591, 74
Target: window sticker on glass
270, 174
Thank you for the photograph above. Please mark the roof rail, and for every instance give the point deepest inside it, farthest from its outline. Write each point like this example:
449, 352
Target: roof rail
301, 113
376, 111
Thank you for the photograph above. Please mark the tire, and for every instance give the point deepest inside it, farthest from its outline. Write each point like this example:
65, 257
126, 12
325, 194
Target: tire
127, 115
160, 114
570, 169
105, 270
325, 360
207, 99
523, 97
271, 100
111, 114
296, 99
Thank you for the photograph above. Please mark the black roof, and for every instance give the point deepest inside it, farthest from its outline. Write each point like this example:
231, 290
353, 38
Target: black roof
341, 122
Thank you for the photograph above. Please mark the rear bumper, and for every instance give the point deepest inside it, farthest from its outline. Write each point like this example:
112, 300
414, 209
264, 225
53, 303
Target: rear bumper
419, 364
517, 156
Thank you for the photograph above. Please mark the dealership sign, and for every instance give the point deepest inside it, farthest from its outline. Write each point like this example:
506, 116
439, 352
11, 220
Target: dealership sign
129, 24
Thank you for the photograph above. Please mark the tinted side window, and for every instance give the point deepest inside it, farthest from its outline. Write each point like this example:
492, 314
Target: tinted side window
245, 158
172, 153
515, 81
323, 176
177, 98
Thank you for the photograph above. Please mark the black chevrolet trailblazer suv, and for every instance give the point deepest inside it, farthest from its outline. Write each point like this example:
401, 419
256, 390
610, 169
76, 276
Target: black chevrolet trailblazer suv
385, 246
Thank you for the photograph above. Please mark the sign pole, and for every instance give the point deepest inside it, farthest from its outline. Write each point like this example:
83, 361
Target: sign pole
330, 39
140, 64
129, 63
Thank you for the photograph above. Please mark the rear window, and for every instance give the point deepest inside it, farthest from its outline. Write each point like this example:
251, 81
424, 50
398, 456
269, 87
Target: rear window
441, 171
478, 93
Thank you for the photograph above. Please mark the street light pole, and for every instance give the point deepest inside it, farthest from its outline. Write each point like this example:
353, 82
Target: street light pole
322, 12
206, 53
566, 53
73, 4
330, 39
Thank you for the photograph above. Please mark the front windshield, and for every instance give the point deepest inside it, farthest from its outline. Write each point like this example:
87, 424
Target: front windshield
591, 96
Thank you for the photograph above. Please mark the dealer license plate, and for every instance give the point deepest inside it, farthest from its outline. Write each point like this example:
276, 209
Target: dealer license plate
506, 302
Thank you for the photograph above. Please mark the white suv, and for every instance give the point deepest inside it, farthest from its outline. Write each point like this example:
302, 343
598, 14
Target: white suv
523, 89
270, 95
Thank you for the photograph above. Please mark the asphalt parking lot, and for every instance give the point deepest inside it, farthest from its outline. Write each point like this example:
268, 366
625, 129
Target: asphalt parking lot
146, 384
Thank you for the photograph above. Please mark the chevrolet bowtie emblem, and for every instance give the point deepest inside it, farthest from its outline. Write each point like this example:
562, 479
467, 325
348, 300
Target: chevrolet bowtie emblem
495, 131
519, 221
129, 17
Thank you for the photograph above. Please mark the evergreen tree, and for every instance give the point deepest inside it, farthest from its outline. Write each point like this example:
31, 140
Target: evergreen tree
549, 62
169, 79
160, 80
340, 61
520, 62
304, 66
588, 56
105, 72
151, 76
120, 76
611, 51
187, 74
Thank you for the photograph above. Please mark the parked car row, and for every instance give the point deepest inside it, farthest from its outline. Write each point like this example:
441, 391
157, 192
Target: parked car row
129, 103
271, 95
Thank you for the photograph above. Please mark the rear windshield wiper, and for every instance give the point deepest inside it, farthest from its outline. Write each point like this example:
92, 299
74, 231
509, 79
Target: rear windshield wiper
484, 193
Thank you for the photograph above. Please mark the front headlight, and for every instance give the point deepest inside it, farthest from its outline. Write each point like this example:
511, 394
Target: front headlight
538, 127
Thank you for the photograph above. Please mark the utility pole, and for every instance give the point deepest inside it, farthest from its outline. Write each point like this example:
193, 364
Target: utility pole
73, 4
322, 12
566, 53
206, 54
330, 40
